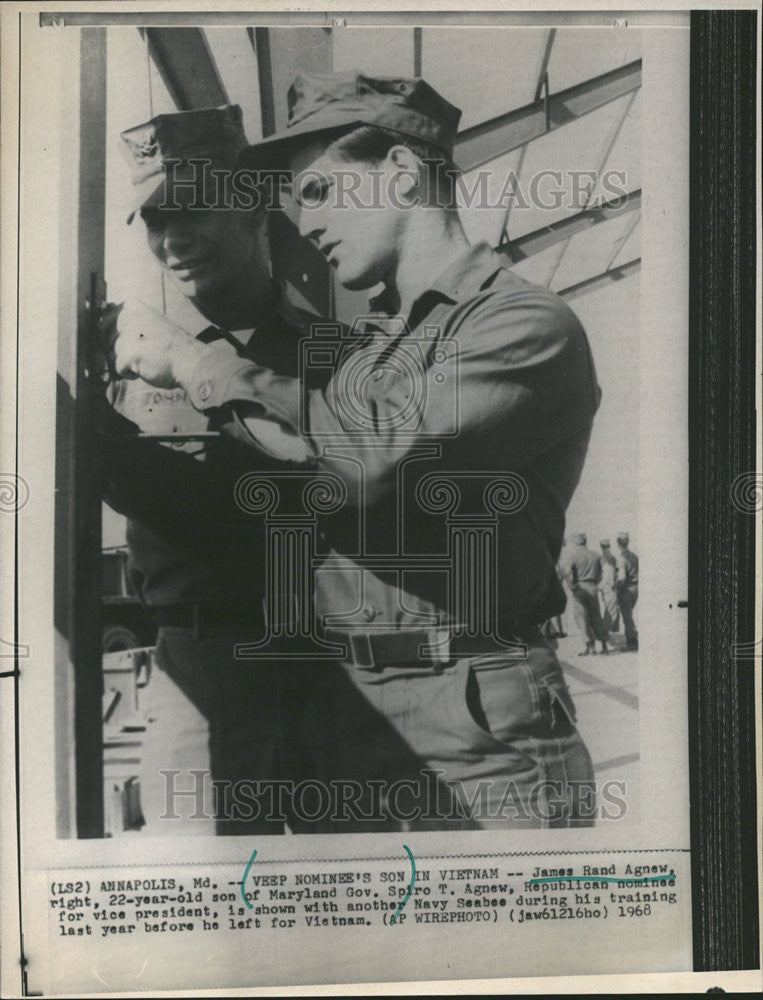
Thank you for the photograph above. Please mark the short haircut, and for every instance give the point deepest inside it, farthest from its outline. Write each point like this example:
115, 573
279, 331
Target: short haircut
370, 144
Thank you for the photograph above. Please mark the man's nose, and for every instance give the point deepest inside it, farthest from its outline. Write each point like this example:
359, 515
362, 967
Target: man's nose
177, 233
311, 224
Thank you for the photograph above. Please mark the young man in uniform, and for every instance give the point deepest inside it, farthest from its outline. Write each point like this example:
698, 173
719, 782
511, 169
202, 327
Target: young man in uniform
459, 425
195, 559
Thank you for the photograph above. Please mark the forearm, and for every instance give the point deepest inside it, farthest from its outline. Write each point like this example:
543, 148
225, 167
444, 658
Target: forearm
509, 386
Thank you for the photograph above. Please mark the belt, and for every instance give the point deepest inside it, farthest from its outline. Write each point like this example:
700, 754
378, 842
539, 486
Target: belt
204, 618
435, 648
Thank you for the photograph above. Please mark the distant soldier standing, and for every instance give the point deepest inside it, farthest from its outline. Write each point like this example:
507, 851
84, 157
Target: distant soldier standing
611, 613
627, 588
582, 570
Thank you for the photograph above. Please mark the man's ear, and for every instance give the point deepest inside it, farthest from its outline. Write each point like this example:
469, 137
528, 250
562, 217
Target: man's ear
409, 168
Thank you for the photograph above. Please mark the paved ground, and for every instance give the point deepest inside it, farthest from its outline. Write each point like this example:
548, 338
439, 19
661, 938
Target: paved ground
605, 691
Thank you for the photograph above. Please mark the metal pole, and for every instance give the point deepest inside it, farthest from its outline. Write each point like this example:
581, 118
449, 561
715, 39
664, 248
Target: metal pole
78, 503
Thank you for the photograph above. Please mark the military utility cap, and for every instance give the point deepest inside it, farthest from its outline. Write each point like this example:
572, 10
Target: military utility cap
580, 538
324, 102
162, 150
605, 543
623, 537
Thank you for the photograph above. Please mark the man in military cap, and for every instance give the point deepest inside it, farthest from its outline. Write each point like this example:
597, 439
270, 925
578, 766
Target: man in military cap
195, 559
627, 588
583, 573
470, 392
611, 613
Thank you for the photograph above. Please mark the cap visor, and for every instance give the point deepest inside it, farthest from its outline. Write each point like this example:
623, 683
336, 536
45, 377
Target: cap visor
188, 191
149, 194
272, 151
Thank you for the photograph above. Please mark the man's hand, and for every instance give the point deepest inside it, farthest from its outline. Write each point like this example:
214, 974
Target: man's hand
141, 343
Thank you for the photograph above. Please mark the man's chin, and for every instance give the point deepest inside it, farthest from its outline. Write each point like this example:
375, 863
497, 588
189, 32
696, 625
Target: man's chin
193, 287
355, 282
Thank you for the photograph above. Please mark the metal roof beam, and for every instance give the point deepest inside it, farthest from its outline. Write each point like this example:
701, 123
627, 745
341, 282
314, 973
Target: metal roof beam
541, 239
485, 142
186, 65
590, 284
543, 72
281, 53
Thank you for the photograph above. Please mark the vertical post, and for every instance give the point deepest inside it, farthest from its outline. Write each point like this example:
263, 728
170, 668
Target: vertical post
260, 39
78, 505
281, 54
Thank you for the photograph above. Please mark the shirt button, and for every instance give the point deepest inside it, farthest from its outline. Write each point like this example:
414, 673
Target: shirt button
205, 390
369, 613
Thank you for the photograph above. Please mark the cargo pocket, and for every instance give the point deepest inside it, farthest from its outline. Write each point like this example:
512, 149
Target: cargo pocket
492, 712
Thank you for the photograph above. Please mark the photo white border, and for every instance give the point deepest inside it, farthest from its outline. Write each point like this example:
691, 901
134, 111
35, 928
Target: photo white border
64, 853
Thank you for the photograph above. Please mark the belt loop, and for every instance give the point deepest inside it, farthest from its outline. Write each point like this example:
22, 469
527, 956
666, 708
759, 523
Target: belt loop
356, 641
438, 649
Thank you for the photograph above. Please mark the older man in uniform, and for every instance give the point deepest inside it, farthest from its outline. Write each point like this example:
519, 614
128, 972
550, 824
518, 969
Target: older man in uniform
195, 559
627, 588
462, 416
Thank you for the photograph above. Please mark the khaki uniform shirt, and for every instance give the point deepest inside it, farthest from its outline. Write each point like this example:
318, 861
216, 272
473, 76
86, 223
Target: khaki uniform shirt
189, 542
627, 567
583, 567
488, 377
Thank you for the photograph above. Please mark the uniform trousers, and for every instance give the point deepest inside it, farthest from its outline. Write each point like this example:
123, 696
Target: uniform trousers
627, 596
611, 612
223, 734
484, 742
587, 614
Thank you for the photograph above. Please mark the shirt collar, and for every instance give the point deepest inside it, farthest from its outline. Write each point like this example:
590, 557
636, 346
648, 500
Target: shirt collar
280, 311
466, 276
280, 307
